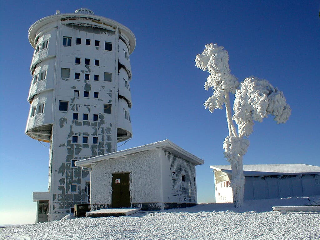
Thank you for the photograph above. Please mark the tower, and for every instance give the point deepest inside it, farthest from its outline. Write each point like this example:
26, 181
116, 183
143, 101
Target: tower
79, 99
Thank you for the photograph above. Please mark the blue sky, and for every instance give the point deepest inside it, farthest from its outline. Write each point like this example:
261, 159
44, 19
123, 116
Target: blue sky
275, 40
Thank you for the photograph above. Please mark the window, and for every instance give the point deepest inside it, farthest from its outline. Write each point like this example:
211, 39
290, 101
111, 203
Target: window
87, 76
126, 115
43, 75
63, 105
35, 78
76, 93
40, 108
96, 77
97, 43
108, 46
88, 41
33, 112
74, 139
108, 77
75, 116
76, 75
78, 41
95, 140
95, 117
84, 139
183, 178
86, 94
87, 61
107, 108
96, 94
44, 45
73, 188
85, 116
73, 163
96, 62
77, 60
65, 73
66, 41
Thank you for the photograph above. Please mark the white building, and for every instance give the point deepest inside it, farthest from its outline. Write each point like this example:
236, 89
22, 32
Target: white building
156, 176
79, 99
269, 181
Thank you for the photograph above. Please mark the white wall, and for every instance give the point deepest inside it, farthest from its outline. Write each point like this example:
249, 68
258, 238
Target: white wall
145, 178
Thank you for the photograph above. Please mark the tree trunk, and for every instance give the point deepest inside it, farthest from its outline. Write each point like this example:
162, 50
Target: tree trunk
237, 182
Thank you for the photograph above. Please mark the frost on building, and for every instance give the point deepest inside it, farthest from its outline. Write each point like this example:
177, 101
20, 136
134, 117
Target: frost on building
156, 176
79, 99
269, 181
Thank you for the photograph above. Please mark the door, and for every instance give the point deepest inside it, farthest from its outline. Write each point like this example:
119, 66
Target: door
43, 210
120, 190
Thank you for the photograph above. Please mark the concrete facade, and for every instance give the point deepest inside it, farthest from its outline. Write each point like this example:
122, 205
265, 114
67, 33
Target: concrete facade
161, 175
79, 99
269, 181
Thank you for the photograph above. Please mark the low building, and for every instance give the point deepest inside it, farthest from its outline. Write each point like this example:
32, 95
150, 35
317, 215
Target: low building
269, 181
155, 176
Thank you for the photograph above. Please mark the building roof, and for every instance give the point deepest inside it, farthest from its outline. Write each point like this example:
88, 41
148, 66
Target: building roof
165, 145
82, 17
272, 169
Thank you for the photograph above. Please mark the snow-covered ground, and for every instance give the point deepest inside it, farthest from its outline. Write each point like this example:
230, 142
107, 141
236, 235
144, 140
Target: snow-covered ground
255, 220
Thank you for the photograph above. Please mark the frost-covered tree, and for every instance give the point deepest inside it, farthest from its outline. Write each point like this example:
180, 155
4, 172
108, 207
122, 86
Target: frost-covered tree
254, 100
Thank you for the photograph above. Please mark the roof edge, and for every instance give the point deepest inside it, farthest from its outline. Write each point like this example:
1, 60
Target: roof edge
165, 144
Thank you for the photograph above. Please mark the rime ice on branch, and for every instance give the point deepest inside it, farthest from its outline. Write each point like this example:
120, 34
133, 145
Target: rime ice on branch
254, 100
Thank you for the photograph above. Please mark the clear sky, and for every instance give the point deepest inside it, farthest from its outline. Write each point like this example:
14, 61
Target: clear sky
275, 40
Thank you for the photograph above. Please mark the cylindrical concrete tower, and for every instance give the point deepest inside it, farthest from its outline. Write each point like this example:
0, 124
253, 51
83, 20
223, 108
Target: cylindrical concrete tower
79, 98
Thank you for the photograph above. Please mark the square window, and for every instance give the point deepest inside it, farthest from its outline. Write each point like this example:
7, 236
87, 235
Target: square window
63, 105
88, 41
78, 41
73, 163
76, 93
43, 75
108, 46
96, 77
97, 43
85, 140
96, 62
65, 73
66, 41
75, 116
87, 76
85, 116
77, 60
73, 188
40, 108
35, 78
108, 77
87, 61
86, 94
33, 111
76, 75
96, 94
95, 140
74, 139
107, 108
95, 117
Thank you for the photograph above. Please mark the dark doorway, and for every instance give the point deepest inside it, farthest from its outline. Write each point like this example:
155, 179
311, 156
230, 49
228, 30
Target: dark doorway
120, 190
43, 210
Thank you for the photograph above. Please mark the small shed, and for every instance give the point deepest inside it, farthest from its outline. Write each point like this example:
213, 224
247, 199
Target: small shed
155, 176
266, 181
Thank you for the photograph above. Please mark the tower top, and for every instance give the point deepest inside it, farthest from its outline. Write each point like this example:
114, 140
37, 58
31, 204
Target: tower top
84, 11
81, 17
